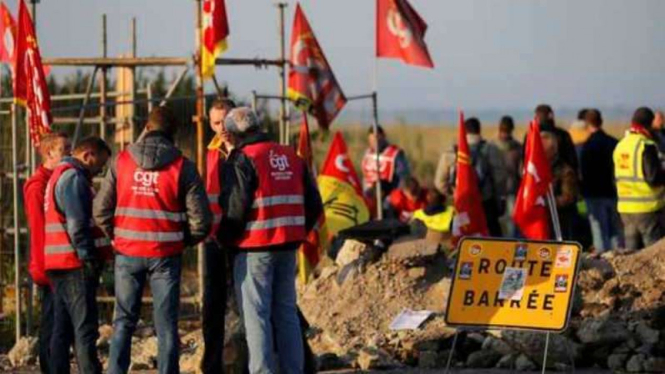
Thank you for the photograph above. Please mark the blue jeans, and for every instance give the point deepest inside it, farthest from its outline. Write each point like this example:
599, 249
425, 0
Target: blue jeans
266, 291
131, 274
55, 336
605, 224
75, 292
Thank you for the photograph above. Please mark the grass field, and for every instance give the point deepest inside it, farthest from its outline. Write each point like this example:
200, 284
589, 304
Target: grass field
423, 144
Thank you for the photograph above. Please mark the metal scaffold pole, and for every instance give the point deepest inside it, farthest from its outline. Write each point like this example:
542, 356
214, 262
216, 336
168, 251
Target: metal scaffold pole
200, 160
17, 238
102, 84
283, 134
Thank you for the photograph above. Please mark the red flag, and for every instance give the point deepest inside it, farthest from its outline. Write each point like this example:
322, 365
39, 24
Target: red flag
30, 89
7, 36
215, 34
338, 164
314, 245
312, 84
469, 214
530, 213
400, 33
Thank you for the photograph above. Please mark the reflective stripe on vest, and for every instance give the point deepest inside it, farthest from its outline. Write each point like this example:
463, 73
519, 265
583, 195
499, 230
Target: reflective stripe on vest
387, 160
277, 213
59, 253
213, 188
635, 195
149, 218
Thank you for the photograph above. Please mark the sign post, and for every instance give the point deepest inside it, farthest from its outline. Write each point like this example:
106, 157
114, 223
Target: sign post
512, 284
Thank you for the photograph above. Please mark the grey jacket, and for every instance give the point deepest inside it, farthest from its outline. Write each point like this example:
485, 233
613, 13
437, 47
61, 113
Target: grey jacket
155, 151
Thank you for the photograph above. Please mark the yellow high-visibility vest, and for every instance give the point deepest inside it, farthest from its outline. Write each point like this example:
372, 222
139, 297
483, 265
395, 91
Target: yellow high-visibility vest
635, 194
437, 222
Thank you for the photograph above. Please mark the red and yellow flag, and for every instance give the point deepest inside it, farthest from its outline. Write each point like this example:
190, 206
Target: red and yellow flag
215, 33
316, 242
30, 89
400, 33
341, 193
312, 84
469, 213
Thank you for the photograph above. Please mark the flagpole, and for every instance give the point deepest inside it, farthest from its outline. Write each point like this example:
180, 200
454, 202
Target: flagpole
375, 120
556, 224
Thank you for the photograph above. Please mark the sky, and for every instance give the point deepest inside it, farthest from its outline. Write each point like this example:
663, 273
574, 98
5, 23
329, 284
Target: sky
489, 54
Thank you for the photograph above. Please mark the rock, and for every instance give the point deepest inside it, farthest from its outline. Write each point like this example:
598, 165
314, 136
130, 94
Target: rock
497, 345
646, 334
350, 251
532, 344
104, 340
373, 358
144, 354
429, 360
25, 352
603, 331
506, 362
636, 364
412, 249
523, 363
483, 359
617, 361
655, 365
330, 361
417, 272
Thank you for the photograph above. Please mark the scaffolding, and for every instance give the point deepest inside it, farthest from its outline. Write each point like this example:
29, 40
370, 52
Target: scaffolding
106, 100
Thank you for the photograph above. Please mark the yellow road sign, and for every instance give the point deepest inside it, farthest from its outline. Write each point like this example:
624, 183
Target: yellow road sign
513, 284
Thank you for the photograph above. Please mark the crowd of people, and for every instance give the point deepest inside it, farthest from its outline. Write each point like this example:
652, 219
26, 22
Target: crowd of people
608, 193
257, 204
152, 204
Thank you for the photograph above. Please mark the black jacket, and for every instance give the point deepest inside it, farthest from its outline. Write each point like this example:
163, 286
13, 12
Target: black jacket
239, 182
597, 166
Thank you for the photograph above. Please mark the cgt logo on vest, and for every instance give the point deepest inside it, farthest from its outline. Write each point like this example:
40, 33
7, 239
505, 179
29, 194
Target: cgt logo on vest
145, 183
279, 163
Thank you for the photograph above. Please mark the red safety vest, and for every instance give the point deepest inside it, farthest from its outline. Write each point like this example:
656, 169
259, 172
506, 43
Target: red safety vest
59, 253
149, 218
386, 163
213, 188
278, 209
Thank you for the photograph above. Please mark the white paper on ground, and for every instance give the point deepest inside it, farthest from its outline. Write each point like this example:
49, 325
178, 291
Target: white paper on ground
409, 319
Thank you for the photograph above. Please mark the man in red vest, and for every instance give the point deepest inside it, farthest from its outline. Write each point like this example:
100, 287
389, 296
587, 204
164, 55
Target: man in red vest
393, 165
74, 250
214, 277
53, 148
152, 204
269, 203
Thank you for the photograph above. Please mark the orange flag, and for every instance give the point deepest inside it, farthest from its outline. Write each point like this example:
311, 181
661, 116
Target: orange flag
30, 89
343, 201
312, 84
400, 33
530, 213
215, 34
7, 36
469, 213
316, 242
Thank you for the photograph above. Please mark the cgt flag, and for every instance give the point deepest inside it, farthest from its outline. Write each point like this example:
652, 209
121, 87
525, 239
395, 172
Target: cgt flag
469, 214
30, 89
215, 33
530, 213
342, 196
400, 33
316, 241
312, 84
7, 36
